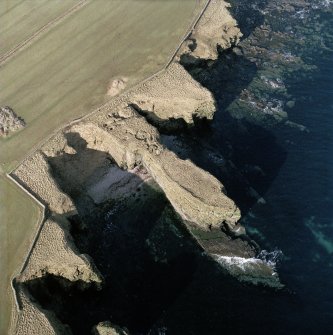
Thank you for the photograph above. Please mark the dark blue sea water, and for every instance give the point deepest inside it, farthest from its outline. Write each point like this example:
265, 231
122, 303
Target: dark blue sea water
298, 215
295, 212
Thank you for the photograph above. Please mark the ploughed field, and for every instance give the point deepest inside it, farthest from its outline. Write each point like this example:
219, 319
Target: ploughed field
66, 70
57, 59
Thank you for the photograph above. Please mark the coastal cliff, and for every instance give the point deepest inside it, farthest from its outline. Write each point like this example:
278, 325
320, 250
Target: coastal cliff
72, 174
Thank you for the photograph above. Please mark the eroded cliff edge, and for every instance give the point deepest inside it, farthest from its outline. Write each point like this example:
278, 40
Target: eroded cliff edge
100, 160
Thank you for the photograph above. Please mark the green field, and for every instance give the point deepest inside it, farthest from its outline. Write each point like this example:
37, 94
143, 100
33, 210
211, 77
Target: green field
21, 18
66, 72
18, 218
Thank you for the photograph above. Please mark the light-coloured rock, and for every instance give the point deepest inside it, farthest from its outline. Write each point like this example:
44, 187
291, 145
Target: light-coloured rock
34, 174
56, 254
196, 195
216, 29
173, 95
117, 183
116, 86
107, 328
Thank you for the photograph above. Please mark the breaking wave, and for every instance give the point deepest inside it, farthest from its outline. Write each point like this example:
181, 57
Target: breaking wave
260, 269
265, 257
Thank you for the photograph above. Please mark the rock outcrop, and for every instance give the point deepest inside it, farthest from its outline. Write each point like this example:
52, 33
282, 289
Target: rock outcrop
56, 254
32, 319
251, 270
173, 100
116, 86
131, 141
9, 121
217, 29
107, 328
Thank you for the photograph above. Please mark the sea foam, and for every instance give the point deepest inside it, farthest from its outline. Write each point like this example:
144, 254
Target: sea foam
260, 269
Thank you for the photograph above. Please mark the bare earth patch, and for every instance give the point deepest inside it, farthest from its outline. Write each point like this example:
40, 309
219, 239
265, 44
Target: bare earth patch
116, 86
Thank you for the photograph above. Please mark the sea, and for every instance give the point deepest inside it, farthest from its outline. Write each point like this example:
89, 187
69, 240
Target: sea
279, 124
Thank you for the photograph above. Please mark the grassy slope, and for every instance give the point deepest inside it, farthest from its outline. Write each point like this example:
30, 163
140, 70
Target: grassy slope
65, 74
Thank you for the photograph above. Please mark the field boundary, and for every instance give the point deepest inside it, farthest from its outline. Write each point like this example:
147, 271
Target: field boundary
189, 32
127, 90
35, 36
18, 183
39, 226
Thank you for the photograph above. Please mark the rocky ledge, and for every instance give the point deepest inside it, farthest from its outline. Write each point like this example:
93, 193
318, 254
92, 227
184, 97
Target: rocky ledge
190, 101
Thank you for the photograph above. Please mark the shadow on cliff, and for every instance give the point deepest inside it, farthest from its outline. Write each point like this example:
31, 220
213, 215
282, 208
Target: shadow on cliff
139, 245
244, 156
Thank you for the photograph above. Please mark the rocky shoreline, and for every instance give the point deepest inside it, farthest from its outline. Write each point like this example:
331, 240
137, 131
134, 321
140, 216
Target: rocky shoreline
114, 159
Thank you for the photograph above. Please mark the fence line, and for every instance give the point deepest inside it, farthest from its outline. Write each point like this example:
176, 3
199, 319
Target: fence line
189, 32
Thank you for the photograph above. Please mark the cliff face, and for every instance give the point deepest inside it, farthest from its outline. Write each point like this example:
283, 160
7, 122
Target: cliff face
33, 319
196, 195
73, 169
217, 29
173, 100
